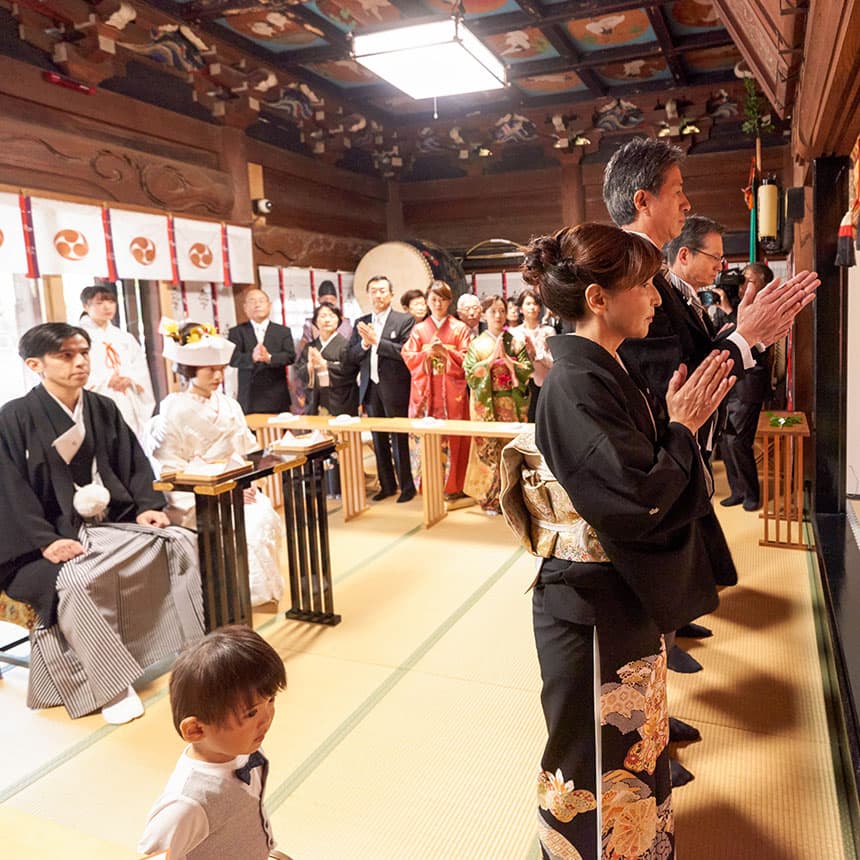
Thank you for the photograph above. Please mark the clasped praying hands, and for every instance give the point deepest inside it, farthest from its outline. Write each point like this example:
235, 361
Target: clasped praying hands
692, 400
767, 316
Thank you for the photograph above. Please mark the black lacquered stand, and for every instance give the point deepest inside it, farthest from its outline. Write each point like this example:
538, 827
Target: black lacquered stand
306, 519
221, 541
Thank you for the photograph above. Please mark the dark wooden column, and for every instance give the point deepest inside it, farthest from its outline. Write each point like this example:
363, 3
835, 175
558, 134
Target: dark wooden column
572, 195
829, 195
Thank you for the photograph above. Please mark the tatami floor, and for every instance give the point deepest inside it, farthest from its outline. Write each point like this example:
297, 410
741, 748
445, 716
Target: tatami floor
412, 731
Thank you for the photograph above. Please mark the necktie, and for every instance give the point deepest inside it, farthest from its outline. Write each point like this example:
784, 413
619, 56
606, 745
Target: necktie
256, 759
374, 355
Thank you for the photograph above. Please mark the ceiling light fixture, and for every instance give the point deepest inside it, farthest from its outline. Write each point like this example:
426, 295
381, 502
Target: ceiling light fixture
439, 58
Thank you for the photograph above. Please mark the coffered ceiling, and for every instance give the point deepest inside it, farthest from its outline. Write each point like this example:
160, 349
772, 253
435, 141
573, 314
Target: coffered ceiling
578, 71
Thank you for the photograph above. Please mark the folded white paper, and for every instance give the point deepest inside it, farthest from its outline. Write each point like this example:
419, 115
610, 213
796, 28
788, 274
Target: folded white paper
283, 416
429, 421
288, 440
199, 466
344, 419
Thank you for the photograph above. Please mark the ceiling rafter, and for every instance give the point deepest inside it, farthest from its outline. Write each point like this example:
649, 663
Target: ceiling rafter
661, 29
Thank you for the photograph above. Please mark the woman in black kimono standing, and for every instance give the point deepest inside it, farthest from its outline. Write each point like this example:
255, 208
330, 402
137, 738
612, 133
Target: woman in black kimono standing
604, 789
324, 368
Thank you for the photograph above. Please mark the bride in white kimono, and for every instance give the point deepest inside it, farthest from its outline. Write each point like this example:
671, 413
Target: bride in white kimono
203, 422
118, 367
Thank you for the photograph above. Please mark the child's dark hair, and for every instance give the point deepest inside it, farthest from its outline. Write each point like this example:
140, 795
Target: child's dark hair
562, 266
223, 673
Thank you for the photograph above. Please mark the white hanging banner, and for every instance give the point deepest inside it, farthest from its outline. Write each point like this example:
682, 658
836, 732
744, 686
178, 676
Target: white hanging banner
69, 238
198, 250
487, 284
13, 249
241, 252
141, 245
350, 306
297, 299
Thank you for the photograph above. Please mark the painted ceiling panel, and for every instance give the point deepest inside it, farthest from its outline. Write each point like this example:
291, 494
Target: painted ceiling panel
692, 16
474, 8
611, 31
542, 85
520, 45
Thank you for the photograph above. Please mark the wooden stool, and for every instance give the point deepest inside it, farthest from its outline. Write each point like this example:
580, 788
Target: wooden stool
21, 614
782, 480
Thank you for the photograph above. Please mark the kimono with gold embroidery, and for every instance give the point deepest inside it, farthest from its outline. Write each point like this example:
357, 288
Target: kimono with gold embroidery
604, 788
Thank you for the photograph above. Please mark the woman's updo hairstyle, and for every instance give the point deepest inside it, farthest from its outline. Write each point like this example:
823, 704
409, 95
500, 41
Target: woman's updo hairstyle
562, 266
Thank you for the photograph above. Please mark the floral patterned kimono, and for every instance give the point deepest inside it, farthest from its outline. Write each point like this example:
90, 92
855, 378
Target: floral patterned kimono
496, 396
213, 428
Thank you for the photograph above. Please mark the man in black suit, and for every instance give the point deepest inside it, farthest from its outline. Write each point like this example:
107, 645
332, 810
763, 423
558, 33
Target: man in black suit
644, 192
384, 383
263, 351
743, 406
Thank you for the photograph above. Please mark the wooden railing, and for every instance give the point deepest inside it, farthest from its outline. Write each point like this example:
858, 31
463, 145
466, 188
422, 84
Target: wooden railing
350, 451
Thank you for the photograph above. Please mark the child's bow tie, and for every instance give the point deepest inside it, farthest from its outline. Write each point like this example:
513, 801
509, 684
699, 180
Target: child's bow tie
256, 759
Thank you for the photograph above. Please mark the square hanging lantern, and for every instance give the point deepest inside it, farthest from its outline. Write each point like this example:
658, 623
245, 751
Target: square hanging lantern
439, 58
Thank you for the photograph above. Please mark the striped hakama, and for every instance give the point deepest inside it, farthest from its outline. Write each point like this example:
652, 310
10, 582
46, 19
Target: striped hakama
133, 599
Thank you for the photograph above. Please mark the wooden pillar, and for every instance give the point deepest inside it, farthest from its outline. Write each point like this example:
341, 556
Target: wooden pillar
572, 195
830, 359
233, 159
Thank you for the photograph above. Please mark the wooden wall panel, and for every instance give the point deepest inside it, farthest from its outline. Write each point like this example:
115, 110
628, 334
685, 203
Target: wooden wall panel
43, 157
459, 213
310, 196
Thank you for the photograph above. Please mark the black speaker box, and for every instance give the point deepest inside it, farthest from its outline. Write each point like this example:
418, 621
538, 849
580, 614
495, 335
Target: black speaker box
795, 203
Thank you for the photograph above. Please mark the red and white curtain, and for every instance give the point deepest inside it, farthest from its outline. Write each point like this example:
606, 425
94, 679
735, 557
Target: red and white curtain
41, 236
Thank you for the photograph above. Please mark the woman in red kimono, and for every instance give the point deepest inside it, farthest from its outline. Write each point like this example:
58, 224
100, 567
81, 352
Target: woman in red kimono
434, 355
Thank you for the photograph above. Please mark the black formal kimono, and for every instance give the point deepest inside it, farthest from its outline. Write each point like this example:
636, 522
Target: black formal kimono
388, 398
340, 396
133, 598
641, 485
38, 487
263, 386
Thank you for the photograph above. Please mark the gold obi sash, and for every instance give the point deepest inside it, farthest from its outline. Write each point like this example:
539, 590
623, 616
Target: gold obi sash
538, 509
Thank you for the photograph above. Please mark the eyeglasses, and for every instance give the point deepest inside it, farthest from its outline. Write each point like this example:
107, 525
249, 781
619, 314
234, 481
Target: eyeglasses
720, 260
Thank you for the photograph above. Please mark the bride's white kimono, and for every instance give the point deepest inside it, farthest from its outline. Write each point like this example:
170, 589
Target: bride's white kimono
189, 426
116, 351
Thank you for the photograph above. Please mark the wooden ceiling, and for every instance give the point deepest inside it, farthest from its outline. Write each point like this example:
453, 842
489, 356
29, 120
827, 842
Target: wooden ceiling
569, 51
579, 71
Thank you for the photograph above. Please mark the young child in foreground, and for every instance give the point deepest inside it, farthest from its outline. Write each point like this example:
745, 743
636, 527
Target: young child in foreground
222, 694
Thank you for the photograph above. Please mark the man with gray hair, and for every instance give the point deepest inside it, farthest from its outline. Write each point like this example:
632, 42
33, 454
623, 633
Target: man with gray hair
469, 312
644, 192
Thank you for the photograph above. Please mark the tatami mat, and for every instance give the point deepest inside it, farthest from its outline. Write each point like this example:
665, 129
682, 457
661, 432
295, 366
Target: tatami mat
413, 730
